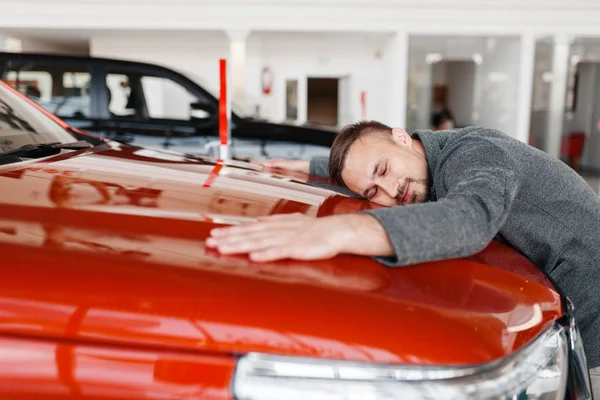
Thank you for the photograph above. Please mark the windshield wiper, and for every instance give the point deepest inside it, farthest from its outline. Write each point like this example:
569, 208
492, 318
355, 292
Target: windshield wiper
45, 149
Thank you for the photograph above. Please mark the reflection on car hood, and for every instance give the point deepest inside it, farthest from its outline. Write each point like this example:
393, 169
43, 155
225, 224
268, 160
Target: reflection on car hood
107, 245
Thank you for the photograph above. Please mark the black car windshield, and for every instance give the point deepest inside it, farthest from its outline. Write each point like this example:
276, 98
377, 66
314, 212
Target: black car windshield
22, 124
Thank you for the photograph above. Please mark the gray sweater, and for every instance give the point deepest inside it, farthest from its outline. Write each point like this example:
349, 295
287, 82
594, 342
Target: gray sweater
486, 184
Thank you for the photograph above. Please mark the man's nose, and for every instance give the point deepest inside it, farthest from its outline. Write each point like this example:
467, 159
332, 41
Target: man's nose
389, 186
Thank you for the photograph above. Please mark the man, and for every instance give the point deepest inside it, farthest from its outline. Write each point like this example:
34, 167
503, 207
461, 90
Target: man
459, 189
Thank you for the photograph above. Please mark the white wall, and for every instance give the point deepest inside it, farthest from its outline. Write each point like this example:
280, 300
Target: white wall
302, 55
252, 82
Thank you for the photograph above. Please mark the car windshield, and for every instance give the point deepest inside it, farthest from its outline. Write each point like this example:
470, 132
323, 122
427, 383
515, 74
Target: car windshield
22, 124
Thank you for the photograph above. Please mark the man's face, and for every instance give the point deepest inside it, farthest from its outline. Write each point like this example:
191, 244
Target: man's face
388, 171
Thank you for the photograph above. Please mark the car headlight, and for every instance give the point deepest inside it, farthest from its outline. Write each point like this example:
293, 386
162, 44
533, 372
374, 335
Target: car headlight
538, 371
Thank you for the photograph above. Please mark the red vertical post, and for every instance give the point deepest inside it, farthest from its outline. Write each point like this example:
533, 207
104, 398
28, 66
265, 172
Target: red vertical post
223, 117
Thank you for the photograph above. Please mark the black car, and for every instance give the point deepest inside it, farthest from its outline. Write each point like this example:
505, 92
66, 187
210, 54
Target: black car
151, 106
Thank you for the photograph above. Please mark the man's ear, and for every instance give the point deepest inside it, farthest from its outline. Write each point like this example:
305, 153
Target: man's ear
401, 137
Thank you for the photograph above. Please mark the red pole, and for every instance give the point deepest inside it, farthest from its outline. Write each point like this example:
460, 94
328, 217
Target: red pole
223, 127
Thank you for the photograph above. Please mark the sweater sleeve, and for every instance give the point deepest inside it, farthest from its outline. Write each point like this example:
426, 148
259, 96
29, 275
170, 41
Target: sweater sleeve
319, 166
481, 184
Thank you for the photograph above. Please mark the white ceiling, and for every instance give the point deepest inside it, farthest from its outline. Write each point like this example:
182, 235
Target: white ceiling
471, 17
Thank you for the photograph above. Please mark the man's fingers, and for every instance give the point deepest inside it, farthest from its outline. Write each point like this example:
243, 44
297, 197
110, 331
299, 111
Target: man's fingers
232, 239
273, 163
289, 165
276, 238
238, 230
282, 217
264, 223
271, 254
250, 245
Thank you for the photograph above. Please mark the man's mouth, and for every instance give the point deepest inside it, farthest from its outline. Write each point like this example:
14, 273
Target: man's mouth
406, 193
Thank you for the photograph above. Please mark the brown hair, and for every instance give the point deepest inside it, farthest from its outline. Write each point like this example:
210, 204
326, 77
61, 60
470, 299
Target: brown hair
344, 139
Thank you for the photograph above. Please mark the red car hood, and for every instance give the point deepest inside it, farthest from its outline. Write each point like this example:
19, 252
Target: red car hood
106, 245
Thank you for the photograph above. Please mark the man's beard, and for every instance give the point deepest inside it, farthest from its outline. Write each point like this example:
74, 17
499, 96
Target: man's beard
416, 196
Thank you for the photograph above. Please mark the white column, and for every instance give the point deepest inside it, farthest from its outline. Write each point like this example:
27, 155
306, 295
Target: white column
556, 111
253, 67
3, 42
302, 99
526, 72
397, 58
237, 64
425, 96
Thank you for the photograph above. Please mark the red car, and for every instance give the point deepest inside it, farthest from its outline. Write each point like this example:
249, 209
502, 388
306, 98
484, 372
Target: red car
108, 291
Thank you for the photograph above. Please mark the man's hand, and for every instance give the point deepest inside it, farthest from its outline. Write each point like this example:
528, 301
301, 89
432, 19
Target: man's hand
302, 166
303, 238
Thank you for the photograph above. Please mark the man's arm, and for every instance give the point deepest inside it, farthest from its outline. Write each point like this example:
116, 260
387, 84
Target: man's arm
316, 169
303, 238
481, 184
319, 166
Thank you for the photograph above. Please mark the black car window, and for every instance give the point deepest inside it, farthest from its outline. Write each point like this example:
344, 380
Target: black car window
144, 97
62, 90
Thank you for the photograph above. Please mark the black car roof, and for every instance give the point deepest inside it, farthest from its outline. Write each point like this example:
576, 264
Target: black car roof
165, 71
301, 137
79, 58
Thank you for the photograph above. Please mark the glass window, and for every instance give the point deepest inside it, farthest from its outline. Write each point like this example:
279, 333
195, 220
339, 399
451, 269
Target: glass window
118, 94
64, 91
150, 97
461, 81
22, 124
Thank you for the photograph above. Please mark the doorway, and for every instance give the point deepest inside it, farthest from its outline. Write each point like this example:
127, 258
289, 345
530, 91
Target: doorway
322, 100
453, 94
